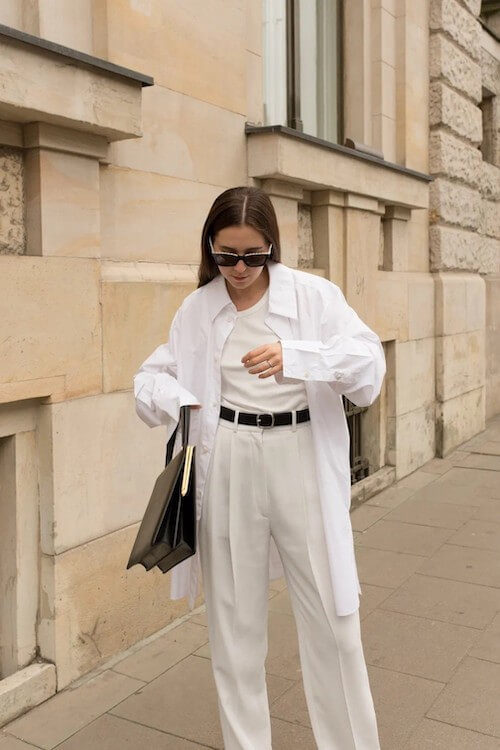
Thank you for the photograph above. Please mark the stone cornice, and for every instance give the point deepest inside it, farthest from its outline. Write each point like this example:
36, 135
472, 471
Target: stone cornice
77, 57
43, 82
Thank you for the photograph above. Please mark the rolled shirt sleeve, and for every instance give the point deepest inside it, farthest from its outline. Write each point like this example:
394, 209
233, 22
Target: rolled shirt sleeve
349, 356
158, 394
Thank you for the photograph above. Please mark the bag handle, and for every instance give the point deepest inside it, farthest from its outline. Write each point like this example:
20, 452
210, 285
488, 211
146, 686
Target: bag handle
184, 422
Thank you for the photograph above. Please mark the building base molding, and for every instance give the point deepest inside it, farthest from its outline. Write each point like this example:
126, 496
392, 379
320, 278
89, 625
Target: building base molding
26, 689
372, 485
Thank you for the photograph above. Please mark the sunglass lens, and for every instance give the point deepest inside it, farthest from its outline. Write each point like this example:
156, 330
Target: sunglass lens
224, 260
256, 260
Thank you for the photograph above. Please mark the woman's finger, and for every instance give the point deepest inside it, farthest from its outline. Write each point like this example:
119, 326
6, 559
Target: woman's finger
269, 363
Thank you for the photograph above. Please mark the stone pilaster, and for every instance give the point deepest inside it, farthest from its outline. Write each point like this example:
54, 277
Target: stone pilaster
284, 197
462, 223
489, 187
328, 233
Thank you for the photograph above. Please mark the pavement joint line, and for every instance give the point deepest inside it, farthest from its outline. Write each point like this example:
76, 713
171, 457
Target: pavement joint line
470, 468
89, 723
202, 656
471, 546
290, 687
411, 674
414, 523
138, 646
451, 676
290, 679
428, 575
462, 726
292, 723
198, 656
459, 726
455, 726
481, 520
141, 724
431, 619
30, 744
456, 580
425, 525
397, 552
482, 658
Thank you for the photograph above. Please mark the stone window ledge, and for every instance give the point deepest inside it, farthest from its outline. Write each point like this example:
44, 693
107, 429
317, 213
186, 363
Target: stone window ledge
41, 81
278, 152
39, 388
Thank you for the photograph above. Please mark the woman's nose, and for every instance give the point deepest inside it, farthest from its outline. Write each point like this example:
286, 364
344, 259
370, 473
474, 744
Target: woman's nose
240, 266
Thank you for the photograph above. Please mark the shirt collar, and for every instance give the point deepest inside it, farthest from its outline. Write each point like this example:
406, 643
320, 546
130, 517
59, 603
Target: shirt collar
281, 292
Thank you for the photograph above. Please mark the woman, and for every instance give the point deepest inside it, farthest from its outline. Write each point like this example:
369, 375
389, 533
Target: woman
263, 353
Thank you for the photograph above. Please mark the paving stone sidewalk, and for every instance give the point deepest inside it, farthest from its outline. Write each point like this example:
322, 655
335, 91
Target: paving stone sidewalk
428, 552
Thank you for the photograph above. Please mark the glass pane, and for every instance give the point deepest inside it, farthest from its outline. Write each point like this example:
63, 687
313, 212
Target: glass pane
274, 61
319, 67
308, 41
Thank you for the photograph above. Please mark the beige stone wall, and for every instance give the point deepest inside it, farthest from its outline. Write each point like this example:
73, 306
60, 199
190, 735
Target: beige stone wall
12, 225
111, 236
67, 23
162, 185
386, 59
12, 14
154, 195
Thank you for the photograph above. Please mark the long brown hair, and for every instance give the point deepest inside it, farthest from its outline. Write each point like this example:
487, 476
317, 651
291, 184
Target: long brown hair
236, 206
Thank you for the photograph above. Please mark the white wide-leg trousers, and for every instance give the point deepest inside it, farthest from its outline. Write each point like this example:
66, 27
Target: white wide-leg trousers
262, 483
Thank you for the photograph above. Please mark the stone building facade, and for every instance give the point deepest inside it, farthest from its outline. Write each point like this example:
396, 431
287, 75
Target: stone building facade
120, 122
464, 158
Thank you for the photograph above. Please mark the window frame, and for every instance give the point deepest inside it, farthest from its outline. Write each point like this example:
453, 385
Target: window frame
293, 100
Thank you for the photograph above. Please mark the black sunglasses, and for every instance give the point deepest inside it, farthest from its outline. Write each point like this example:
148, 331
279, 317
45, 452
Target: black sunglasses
231, 259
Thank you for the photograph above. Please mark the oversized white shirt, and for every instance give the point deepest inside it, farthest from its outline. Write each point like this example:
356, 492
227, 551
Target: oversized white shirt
325, 344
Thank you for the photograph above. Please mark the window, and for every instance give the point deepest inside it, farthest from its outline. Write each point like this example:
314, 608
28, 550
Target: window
302, 66
360, 465
487, 146
490, 16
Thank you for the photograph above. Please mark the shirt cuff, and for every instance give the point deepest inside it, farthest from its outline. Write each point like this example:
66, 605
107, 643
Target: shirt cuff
297, 358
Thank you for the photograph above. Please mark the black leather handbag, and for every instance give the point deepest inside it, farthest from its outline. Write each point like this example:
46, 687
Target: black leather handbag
167, 534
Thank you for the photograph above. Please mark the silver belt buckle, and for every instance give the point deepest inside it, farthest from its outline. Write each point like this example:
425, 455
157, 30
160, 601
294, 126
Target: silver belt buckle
265, 415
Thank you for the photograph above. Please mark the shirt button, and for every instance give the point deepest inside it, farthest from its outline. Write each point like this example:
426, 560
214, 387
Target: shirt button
337, 374
306, 374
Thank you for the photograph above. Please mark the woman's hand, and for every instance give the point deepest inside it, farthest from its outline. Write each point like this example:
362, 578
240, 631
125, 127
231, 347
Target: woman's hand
265, 361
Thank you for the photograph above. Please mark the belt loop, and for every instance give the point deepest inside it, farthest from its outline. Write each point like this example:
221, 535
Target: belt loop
294, 420
235, 424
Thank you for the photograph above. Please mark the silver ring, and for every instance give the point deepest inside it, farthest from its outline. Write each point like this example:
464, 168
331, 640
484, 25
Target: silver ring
270, 365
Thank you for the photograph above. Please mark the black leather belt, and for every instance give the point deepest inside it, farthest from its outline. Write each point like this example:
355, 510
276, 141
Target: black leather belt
264, 420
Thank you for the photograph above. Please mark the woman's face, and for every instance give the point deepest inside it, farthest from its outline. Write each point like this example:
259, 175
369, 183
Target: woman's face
240, 239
